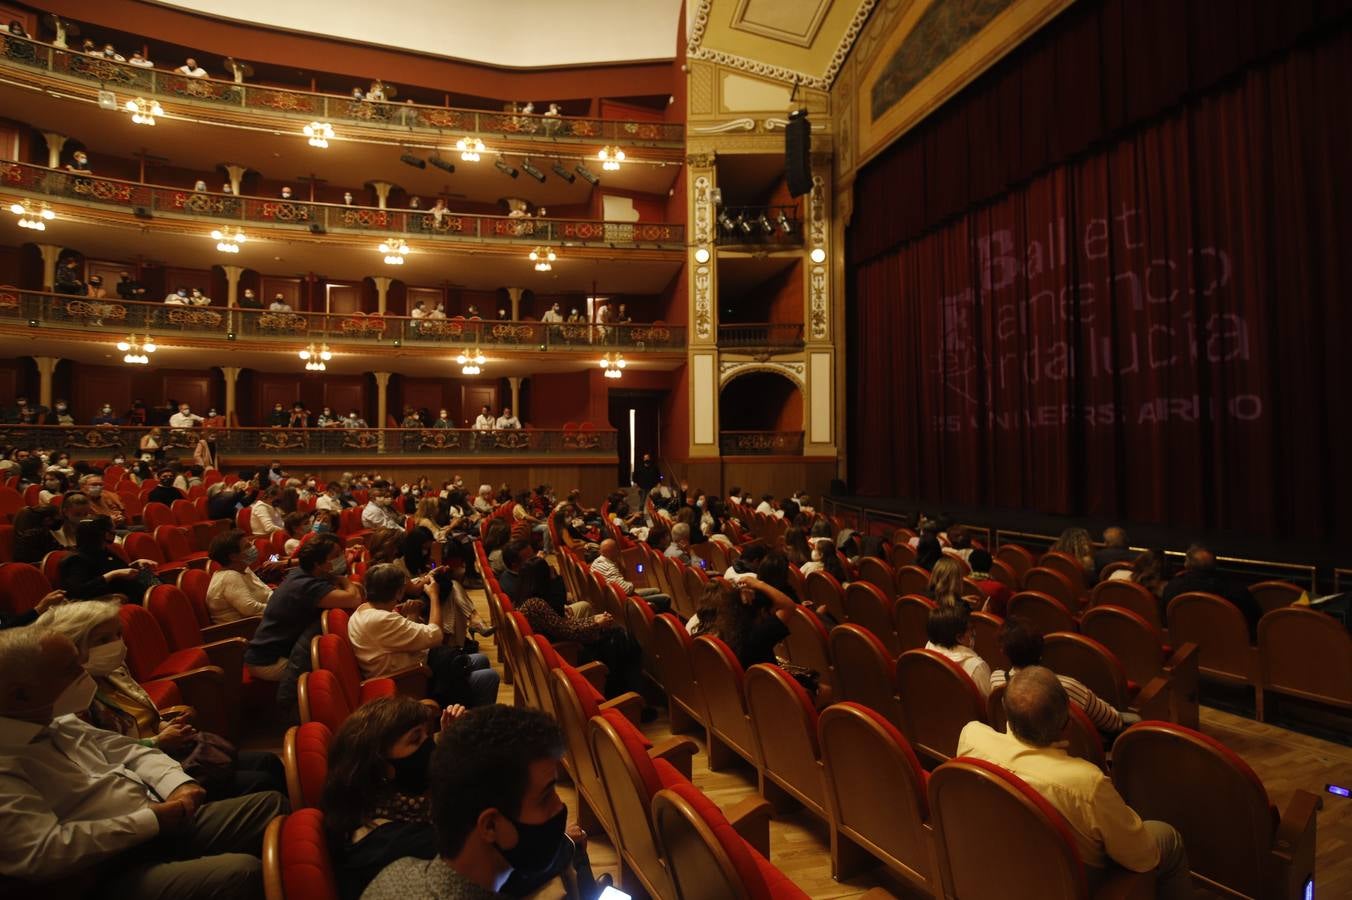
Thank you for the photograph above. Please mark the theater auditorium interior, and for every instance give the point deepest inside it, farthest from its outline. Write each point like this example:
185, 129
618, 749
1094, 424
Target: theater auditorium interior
675, 449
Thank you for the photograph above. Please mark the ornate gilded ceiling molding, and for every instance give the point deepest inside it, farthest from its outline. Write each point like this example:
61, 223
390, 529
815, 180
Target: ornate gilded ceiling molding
728, 369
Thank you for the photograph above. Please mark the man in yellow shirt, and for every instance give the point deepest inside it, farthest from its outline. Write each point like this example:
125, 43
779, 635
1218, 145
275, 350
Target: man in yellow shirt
1106, 829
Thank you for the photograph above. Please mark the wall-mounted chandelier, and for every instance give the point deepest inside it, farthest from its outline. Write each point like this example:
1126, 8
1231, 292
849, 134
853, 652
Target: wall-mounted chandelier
228, 241
394, 251
471, 361
470, 148
613, 366
143, 111
32, 216
610, 157
137, 352
315, 358
543, 257
319, 133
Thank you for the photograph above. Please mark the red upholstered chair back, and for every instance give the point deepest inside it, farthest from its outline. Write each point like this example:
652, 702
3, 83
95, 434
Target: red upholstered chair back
1128, 595
1068, 566
1272, 595
875, 790
809, 643
305, 755
175, 542
185, 512
194, 583
997, 837
902, 554
146, 644
243, 519
330, 652
909, 616
1042, 611
1305, 653
51, 567
865, 672
323, 700
1090, 663
672, 645
577, 702
1136, 643
706, 857
296, 858
986, 628
868, 606
938, 700
1208, 793
141, 545
335, 622
823, 590
638, 620
879, 574
174, 614
153, 515
1053, 583
1019, 560
1220, 632
1004, 573
784, 722
912, 580
22, 586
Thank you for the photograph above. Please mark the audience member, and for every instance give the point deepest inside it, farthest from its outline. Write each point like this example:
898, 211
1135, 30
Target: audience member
928, 550
679, 548
101, 502
68, 279
1075, 543
279, 304
191, 69
610, 566
751, 618
264, 517
945, 583
507, 421
95, 571
1200, 573
949, 629
165, 492
235, 592
379, 511
1105, 829
74, 510
997, 593
1023, 648
34, 530
1114, 549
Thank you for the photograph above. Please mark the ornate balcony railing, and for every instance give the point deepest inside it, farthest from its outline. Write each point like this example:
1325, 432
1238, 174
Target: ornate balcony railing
40, 181
116, 317
760, 226
760, 335
335, 109
760, 443
179, 442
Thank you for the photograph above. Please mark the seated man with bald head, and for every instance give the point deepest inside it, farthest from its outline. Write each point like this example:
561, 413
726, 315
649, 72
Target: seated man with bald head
82, 805
1200, 573
1106, 829
1114, 549
611, 567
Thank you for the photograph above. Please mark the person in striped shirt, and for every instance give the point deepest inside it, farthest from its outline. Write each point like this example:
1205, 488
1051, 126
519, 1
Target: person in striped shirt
1023, 647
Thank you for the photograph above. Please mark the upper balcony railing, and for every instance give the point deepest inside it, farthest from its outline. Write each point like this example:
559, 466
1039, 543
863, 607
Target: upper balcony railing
333, 108
760, 335
121, 317
760, 226
267, 211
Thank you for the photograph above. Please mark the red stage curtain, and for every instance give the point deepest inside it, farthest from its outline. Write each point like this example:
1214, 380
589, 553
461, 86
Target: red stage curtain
1157, 330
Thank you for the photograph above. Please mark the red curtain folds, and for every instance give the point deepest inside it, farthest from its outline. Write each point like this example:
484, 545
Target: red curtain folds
1156, 331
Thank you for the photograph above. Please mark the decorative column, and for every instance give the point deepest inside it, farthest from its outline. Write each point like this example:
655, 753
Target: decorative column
514, 294
54, 144
232, 274
382, 386
231, 374
51, 254
236, 174
383, 283
46, 367
382, 189
819, 413
515, 382
702, 353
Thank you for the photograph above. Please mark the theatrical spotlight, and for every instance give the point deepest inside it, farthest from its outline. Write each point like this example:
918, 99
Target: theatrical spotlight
563, 173
744, 223
765, 224
725, 221
532, 171
587, 174
409, 159
783, 223
443, 164
505, 169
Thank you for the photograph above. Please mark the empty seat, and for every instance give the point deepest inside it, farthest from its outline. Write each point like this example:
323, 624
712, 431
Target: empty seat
1307, 654
868, 606
720, 679
1018, 559
1043, 612
824, 591
997, 837
672, 646
937, 700
1270, 595
305, 756
879, 574
912, 580
903, 554
808, 643
296, 863
1053, 583
1221, 634
153, 515
1237, 842
1068, 566
909, 617
865, 672
1128, 595
1002, 572
1091, 664
784, 722
1140, 648
875, 793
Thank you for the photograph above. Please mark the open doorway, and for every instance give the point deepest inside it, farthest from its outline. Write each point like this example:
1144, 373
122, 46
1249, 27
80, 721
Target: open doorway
636, 417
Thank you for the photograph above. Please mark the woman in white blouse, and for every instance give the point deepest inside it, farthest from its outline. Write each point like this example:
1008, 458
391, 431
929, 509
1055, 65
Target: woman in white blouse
235, 591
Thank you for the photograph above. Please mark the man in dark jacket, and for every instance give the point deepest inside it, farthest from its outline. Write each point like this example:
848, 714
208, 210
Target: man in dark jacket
1201, 574
646, 476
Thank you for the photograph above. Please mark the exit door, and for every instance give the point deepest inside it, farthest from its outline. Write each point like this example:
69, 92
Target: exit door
636, 417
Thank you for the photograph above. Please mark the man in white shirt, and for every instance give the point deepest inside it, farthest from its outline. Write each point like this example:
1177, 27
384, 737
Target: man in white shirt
610, 566
191, 69
264, 518
419, 310
279, 304
235, 591
330, 499
485, 422
138, 60
81, 802
552, 316
679, 548
379, 511
184, 418
950, 633
1105, 828
507, 420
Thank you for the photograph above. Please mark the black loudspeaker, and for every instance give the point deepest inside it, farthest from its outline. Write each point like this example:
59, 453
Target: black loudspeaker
316, 228
798, 153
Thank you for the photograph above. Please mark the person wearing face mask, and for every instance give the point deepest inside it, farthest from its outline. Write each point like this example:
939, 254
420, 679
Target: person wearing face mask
59, 415
380, 511
264, 517
950, 633
184, 418
235, 591
500, 823
443, 420
53, 486
354, 420
280, 648
34, 527
86, 802
331, 499
95, 571
106, 416
122, 706
327, 419
165, 492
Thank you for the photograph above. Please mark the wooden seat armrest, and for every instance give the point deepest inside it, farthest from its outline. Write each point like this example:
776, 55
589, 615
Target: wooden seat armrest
1123, 884
1155, 700
569, 650
240, 628
629, 704
228, 655
750, 818
596, 673
1293, 844
1184, 677
204, 689
679, 751
411, 682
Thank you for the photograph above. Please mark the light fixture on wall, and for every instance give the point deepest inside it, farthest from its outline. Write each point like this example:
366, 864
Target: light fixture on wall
702, 255
818, 255
471, 361
315, 359
32, 216
469, 148
543, 257
394, 251
228, 241
319, 133
610, 157
143, 111
135, 351
613, 366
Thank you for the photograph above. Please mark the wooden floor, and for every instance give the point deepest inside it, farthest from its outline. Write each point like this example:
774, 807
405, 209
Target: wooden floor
1285, 760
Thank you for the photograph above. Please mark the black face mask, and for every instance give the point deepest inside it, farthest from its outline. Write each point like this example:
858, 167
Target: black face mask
537, 845
411, 772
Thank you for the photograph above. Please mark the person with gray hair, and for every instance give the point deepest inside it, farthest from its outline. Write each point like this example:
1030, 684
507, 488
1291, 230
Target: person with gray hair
1106, 830
122, 706
679, 548
83, 803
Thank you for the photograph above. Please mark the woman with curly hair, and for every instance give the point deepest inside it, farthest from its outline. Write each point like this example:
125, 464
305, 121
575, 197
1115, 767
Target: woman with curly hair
1074, 542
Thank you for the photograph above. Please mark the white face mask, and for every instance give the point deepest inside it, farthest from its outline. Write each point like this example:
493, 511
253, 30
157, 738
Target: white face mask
76, 697
106, 658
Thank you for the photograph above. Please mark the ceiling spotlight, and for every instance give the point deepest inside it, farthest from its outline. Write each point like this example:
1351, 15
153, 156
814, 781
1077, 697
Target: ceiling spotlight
587, 174
505, 169
783, 222
610, 157
725, 221
443, 164
409, 159
319, 133
143, 112
764, 222
744, 223
469, 148
31, 216
563, 173
543, 257
315, 358
471, 361
532, 171
228, 241
394, 251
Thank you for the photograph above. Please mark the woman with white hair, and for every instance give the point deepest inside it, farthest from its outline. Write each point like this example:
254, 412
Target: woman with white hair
483, 501
122, 706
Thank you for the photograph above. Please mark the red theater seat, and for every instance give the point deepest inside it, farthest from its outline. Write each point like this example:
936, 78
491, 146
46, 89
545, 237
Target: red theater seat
305, 755
296, 864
